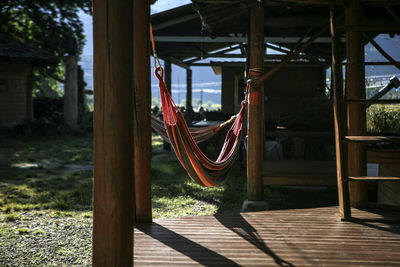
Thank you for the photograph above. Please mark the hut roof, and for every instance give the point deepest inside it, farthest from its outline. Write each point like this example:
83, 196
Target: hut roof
213, 29
16, 50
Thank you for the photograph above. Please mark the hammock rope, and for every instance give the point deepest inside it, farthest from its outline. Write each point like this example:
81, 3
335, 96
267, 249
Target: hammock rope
199, 167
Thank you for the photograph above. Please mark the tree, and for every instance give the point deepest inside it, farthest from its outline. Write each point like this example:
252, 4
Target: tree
45, 24
55, 26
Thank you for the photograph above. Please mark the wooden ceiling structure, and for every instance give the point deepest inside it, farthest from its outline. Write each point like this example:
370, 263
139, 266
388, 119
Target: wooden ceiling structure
184, 36
122, 100
191, 34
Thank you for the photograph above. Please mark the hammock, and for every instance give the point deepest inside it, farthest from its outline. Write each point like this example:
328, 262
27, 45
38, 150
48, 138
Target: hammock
199, 134
199, 167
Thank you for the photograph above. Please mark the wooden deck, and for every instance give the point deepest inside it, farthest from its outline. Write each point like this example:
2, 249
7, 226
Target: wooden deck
303, 237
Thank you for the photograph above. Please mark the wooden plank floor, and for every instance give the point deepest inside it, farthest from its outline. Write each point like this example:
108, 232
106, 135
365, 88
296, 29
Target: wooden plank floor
302, 237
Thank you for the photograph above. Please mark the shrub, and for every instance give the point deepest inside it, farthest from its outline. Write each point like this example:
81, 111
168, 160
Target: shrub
383, 119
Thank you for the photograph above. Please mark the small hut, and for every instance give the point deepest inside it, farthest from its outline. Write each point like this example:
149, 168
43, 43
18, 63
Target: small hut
17, 61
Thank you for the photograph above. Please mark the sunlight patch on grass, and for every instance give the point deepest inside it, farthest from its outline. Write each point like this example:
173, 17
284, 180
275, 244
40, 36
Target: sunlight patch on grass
156, 141
25, 165
180, 206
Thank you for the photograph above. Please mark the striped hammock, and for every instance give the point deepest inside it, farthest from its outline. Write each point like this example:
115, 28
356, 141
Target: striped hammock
199, 167
199, 134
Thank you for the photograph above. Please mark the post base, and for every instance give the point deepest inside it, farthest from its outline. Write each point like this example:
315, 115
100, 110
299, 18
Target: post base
251, 205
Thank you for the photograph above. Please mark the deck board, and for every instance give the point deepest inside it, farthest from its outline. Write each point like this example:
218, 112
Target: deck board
302, 237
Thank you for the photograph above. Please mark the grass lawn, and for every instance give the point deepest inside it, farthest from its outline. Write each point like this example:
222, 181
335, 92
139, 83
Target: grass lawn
46, 196
55, 173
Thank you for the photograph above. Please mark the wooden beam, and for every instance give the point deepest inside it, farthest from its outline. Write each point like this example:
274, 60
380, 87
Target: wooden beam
294, 21
381, 63
113, 187
384, 156
339, 118
356, 116
255, 128
277, 48
167, 75
313, 2
208, 55
172, 22
142, 110
231, 40
383, 52
392, 13
293, 53
371, 28
189, 89
380, 2
299, 172
175, 61
277, 57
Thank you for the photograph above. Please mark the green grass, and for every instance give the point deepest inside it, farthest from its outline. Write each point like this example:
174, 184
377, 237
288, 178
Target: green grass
54, 174
175, 195
45, 174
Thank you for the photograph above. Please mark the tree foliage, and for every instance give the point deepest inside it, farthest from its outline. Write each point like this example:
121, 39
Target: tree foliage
52, 25
46, 24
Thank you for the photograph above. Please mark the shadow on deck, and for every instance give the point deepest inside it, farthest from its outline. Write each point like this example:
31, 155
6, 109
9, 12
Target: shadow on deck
295, 237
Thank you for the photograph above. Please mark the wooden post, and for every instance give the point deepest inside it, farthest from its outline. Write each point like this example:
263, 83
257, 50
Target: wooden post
167, 78
113, 187
189, 107
71, 91
189, 89
356, 117
255, 189
339, 119
168, 71
142, 111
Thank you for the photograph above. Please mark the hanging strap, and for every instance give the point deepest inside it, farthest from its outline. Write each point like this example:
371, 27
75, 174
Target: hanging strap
153, 47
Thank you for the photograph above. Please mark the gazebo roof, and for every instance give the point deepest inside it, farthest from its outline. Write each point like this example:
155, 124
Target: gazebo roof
213, 29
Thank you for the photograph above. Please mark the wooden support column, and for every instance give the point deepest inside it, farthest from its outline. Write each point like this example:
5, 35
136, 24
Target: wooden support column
356, 117
339, 118
142, 111
168, 71
189, 107
189, 89
167, 78
255, 126
113, 187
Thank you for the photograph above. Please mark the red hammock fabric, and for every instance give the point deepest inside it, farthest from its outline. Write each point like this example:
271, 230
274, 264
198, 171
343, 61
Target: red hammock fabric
199, 134
200, 168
